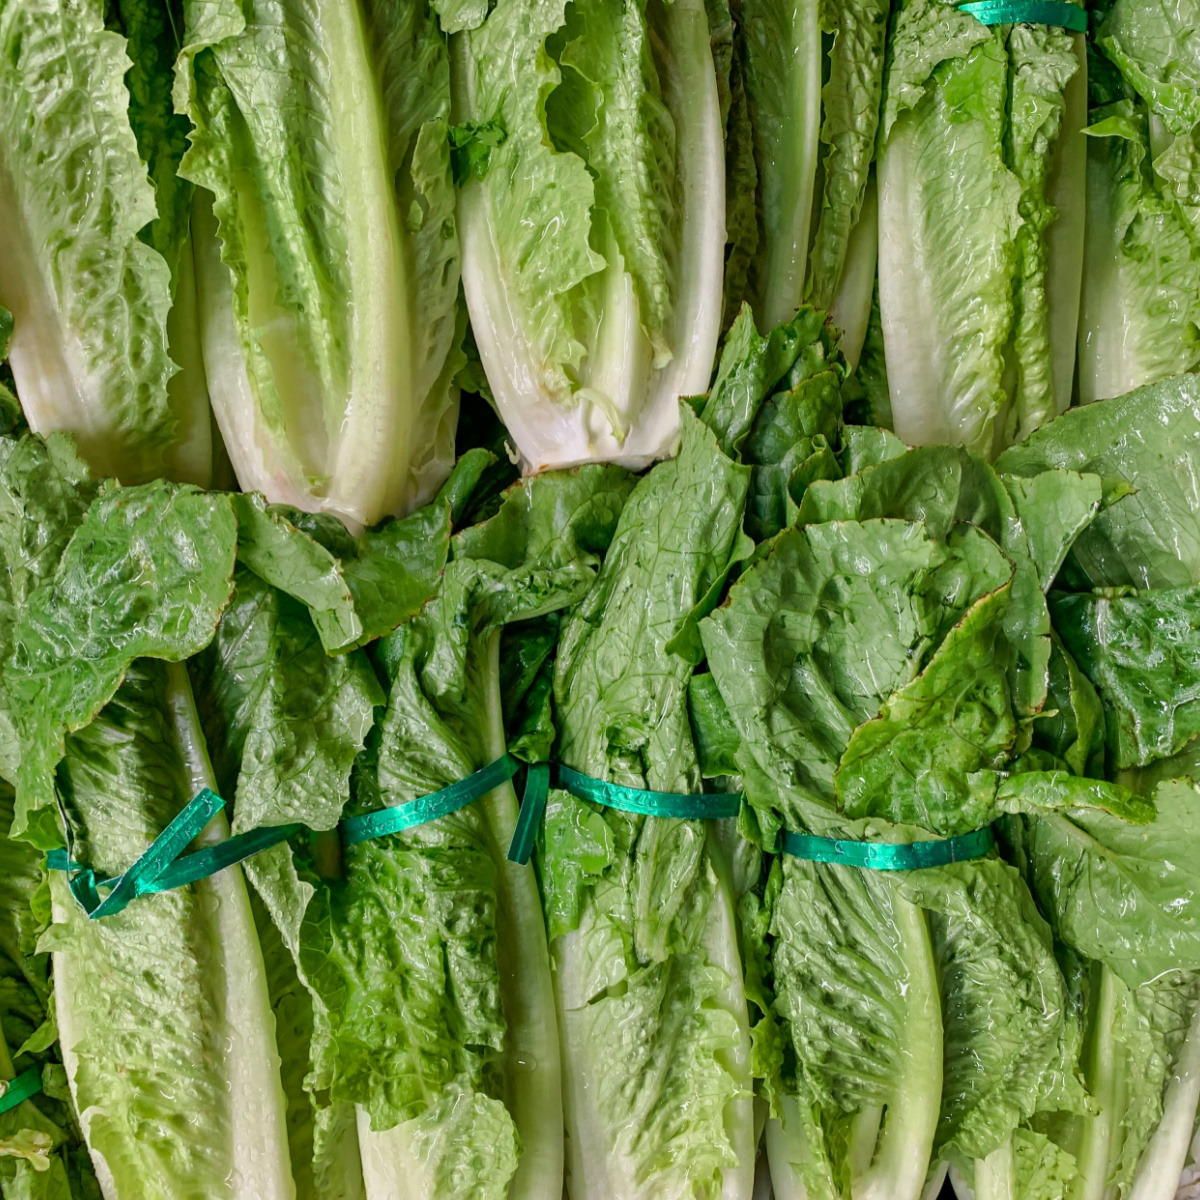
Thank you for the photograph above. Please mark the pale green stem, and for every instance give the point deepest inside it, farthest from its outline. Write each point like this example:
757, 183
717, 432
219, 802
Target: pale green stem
531, 1043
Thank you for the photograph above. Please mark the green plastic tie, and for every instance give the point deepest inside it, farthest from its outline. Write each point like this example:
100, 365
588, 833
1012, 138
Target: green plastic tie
27, 1084
141, 878
214, 859
533, 806
694, 807
1028, 12
161, 869
889, 856
429, 808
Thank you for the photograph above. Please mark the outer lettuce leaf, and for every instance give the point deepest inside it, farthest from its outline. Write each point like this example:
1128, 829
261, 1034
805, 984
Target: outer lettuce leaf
640, 909
1148, 198
284, 720
45, 1156
328, 262
1115, 891
1139, 651
322, 1137
943, 486
1072, 726
613, 144
829, 648
1141, 290
147, 572
44, 492
356, 589
1043, 65
946, 319
851, 100
1151, 48
741, 186
844, 940
1140, 1064
1009, 1047
1146, 440
608, 68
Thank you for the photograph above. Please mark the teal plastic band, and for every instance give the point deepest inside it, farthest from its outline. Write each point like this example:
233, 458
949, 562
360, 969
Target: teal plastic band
27, 1084
160, 869
1029, 12
429, 808
213, 859
888, 856
695, 807
533, 807
142, 877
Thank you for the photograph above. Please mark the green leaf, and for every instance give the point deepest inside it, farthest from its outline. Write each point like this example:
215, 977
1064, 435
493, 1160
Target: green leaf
1008, 1051
89, 297
284, 721
147, 572
471, 146
1119, 892
833, 645
867, 446
1150, 47
1054, 508
850, 122
751, 368
1038, 792
1141, 301
856, 982
1141, 654
1147, 439
715, 735
322, 1138
949, 218
356, 589
44, 492
1044, 1171
781, 67
1072, 724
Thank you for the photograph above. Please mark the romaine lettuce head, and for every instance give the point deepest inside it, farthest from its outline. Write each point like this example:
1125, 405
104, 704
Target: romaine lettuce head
1141, 288
97, 267
648, 974
326, 247
981, 180
423, 952
593, 244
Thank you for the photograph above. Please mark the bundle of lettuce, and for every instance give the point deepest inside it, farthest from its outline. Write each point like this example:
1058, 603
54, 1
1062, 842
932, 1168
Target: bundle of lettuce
931, 646
379, 1019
